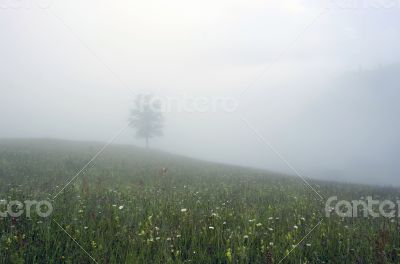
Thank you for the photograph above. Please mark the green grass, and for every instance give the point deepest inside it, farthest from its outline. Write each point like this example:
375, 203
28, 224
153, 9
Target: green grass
199, 213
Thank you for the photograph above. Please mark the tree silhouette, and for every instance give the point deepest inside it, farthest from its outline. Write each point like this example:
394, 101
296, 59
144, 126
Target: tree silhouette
146, 118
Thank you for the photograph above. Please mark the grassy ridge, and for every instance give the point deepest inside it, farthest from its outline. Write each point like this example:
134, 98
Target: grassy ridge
120, 210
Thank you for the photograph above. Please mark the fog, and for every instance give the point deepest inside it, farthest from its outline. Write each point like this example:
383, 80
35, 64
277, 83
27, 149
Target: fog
314, 84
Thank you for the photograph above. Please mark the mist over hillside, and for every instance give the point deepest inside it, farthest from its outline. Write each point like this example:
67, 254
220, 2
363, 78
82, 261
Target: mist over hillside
354, 126
312, 87
349, 132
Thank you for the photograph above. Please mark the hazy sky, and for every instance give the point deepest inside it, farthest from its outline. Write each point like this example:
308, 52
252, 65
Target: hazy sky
70, 69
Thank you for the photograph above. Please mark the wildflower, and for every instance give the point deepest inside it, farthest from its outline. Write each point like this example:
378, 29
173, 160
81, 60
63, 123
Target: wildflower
157, 238
85, 227
308, 245
270, 229
252, 220
245, 236
183, 210
271, 243
211, 227
270, 218
295, 227
229, 254
258, 224
168, 239
121, 207
178, 236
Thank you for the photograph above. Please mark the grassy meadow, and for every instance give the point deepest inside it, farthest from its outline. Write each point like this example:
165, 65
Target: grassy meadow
121, 210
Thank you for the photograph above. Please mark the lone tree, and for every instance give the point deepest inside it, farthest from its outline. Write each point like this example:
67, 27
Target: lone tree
146, 118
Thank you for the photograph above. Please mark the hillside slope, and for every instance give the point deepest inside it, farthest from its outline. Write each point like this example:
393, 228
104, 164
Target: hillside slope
120, 210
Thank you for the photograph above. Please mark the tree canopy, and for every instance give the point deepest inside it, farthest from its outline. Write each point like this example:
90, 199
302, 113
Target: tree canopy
146, 118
